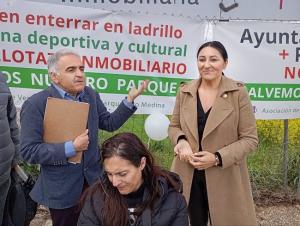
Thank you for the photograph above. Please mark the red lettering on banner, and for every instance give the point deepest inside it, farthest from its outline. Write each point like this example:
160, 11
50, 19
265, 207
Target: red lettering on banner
291, 72
60, 22
9, 17
126, 64
163, 30
27, 56
116, 28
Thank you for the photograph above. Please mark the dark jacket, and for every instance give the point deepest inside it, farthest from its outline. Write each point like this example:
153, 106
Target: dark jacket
60, 183
169, 210
9, 132
9, 140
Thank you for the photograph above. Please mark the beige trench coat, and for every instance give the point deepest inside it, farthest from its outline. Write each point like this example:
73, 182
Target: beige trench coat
231, 130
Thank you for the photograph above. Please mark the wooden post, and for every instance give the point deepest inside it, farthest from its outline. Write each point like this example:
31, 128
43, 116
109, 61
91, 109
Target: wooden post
285, 153
298, 189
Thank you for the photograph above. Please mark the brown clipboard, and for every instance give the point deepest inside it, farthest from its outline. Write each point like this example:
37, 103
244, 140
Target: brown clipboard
64, 120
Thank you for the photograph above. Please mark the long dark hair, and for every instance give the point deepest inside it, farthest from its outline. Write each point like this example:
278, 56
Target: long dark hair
128, 146
216, 45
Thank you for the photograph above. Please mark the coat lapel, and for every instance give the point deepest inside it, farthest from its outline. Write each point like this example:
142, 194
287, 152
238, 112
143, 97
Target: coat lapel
219, 112
54, 92
221, 108
190, 108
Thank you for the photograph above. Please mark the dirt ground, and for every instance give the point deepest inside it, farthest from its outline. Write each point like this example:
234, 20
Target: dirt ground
280, 215
276, 215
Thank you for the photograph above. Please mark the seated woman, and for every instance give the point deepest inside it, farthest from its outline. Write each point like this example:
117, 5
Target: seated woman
133, 190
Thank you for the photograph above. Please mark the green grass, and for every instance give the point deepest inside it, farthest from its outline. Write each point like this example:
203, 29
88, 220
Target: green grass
162, 150
265, 164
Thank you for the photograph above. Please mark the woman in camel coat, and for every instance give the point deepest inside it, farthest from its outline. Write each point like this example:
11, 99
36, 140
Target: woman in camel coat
213, 129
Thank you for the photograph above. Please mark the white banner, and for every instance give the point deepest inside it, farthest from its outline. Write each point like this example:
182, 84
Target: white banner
119, 51
266, 56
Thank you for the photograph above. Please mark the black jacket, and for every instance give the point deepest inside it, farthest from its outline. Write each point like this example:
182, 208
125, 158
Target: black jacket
9, 132
169, 210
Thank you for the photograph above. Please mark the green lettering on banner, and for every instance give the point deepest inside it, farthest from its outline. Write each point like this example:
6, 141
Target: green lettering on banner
274, 92
32, 78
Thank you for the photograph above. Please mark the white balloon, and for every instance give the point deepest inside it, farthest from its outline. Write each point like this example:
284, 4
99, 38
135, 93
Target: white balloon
156, 126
